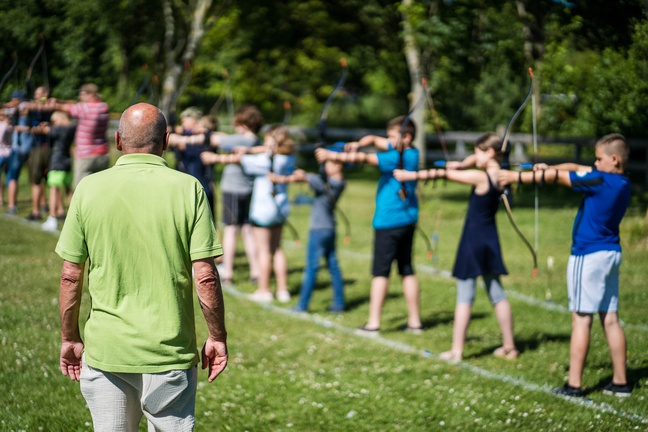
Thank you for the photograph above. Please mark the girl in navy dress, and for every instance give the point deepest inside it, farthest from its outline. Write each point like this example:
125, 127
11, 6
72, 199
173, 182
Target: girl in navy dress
479, 252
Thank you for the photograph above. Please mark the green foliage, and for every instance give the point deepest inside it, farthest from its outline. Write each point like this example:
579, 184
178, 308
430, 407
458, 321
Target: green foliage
589, 59
591, 93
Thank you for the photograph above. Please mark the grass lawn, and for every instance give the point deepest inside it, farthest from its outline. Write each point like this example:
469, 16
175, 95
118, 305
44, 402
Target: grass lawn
308, 372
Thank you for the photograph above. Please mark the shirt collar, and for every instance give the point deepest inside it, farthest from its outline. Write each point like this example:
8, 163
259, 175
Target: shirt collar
141, 158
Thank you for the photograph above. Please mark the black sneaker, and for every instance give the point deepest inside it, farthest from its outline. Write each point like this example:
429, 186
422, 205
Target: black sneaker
567, 390
617, 390
34, 217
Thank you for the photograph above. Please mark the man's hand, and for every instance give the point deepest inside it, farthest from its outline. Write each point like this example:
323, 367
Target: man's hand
71, 353
214, 356
540, 166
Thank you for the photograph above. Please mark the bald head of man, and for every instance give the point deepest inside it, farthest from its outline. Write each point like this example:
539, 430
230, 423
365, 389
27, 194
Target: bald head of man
142, 129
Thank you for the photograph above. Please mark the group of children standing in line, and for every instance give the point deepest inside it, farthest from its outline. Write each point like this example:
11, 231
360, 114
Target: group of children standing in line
593, 268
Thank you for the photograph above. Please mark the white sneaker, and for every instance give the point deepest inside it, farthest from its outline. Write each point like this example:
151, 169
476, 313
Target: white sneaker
51, 224
283, 296
261, 297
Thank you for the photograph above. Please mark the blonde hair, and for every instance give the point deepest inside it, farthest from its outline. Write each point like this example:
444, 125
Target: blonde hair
282, 137
60, 118
208, 122
615, 144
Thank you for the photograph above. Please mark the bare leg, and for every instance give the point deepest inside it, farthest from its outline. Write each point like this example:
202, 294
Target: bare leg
58, 205
617, 342
412, 298
229, 251
505, 321
280, 262
578, 347
264, 258
54, 200
36, 195
12, 193
379, 286
250, 250
459, 329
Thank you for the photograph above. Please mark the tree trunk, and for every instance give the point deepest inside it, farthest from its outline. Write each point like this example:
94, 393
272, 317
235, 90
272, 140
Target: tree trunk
413, 58
179, 53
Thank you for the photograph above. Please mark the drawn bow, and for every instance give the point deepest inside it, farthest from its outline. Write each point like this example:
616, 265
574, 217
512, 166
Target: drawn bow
10, 71
401, 162
505, 149
321, 131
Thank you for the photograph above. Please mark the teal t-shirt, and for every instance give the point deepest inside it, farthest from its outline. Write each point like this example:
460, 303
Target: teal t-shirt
139, 225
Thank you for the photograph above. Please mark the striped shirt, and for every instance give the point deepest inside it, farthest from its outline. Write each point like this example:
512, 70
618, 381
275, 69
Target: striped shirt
90, 135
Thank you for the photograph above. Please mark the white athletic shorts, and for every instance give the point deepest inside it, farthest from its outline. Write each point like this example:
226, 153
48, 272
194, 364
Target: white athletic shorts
117, 401
593, 282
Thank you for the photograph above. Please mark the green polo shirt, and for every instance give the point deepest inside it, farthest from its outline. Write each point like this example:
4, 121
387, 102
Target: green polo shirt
139, 224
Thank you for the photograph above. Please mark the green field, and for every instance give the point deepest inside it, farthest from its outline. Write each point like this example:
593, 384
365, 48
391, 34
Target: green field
310, 372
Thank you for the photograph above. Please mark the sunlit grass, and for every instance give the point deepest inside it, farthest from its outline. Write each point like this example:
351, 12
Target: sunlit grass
295, 372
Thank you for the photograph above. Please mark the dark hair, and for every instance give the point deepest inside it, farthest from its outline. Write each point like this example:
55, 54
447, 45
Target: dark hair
410, 127
250, 117
489, 140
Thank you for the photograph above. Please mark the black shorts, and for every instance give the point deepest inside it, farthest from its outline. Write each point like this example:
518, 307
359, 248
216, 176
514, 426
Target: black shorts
236, 208
38, 162
393, 244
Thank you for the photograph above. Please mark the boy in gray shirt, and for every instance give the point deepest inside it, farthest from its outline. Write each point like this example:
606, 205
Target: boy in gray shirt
322, 232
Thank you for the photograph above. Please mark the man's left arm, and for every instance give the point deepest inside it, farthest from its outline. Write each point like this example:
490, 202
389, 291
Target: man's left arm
210, 295
71, 288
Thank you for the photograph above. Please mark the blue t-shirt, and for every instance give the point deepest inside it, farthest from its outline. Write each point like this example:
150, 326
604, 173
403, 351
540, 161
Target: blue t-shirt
391, 210
596, 227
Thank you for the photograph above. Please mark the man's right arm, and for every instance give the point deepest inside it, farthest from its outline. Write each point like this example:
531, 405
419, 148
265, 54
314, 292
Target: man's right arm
210, 295
69, 306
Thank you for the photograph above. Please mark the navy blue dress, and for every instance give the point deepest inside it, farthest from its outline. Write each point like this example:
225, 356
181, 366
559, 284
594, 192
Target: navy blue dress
479, 251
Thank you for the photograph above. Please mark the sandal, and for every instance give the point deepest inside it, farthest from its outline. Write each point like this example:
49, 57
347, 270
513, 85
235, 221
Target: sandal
509, 354
365, 331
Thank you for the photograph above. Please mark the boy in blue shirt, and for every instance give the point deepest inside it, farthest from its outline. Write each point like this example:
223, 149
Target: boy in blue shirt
395, 216
593, 267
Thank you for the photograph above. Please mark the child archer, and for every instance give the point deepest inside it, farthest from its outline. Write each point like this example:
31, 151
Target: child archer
479, 252
593, 266
394, 219
322, 233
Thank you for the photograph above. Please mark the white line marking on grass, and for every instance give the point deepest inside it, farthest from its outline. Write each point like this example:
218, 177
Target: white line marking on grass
534, 301
403, 347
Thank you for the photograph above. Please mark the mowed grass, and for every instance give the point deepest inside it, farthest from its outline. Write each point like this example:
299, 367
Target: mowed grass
310, 372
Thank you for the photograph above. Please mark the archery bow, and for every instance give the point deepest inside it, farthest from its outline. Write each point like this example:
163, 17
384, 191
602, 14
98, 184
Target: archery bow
435, 119
30, 69
142, 88
321, 130
401, 154
505, 164
10, 71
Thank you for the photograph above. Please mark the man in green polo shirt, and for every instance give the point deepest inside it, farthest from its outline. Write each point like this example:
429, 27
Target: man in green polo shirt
142, 228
